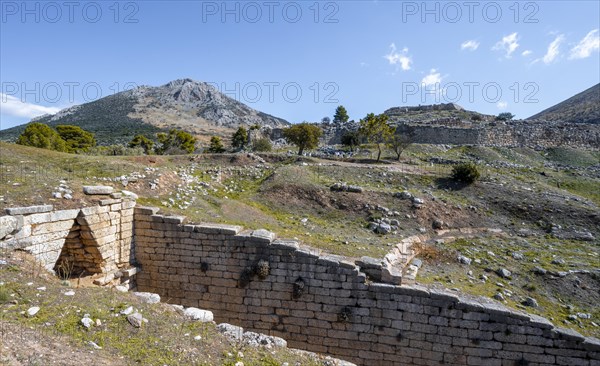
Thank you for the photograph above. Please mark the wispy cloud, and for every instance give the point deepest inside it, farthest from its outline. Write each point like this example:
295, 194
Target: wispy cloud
15, 107
502, 105
470, 45
526, 53
399, 58
432, 79
585, 47
508, 44
553, 50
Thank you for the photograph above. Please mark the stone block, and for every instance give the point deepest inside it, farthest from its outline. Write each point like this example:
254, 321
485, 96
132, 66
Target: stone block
98, 190
28, 210
145, 210
285, 244
217, 229
263, 235
9, 225
51, 227
174, 219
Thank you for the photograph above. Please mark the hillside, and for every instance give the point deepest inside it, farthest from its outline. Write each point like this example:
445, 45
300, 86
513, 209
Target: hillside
196, 107
581, 108
542, 206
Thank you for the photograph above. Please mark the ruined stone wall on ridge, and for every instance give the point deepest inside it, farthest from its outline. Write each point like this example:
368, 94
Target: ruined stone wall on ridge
326, 304
510, 134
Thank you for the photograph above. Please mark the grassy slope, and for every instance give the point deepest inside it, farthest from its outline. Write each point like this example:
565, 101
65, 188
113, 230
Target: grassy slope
166, 339
293, 200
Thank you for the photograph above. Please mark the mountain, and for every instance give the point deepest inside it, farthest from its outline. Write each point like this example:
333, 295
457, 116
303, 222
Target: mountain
193, 106
581, 108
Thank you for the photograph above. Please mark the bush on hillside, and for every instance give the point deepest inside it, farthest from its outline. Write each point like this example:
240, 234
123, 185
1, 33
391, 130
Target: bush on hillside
465, 173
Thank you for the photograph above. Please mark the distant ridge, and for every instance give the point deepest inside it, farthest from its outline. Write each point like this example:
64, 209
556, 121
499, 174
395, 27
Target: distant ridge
580, 108
193, 106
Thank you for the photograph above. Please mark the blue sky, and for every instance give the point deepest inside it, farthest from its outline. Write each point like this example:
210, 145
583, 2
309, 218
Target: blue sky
299, 60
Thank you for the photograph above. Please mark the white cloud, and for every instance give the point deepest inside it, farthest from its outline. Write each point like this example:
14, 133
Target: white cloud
15, 107
399, 58
431, 79
501, 105
526, 53
553, 50
470, 45
508, 44
586, 46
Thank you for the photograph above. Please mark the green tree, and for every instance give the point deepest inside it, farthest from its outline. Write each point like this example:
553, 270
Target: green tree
42, 136
399, 142
303, 135
143, 142
239, 138
376, 130
263, 144
216, 145
76, 138
505, 116
351, 139
341, 115
176, 140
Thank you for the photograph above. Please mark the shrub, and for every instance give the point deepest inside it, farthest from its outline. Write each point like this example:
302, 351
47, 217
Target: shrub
505, 116
262, 145
465, 172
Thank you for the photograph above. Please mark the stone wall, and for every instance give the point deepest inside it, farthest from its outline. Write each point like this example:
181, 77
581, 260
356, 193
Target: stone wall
327, 304
510, 134
92, 240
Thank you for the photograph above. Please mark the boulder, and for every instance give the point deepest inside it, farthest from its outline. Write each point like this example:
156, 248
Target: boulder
135, 319
531, 302
253, 339
464, 260
200, 315
233, 332
405, 195
355, 189
148, 297
383, 228
503, 272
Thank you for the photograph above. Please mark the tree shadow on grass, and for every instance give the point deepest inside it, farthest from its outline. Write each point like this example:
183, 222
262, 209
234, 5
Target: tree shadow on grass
450, 184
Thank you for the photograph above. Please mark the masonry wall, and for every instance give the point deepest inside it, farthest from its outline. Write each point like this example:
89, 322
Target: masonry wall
326, 304
510, 134
96, 239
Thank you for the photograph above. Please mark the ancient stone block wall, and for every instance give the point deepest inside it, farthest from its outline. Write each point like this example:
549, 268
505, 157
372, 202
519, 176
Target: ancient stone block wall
510, 134
327, 304
96, 239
